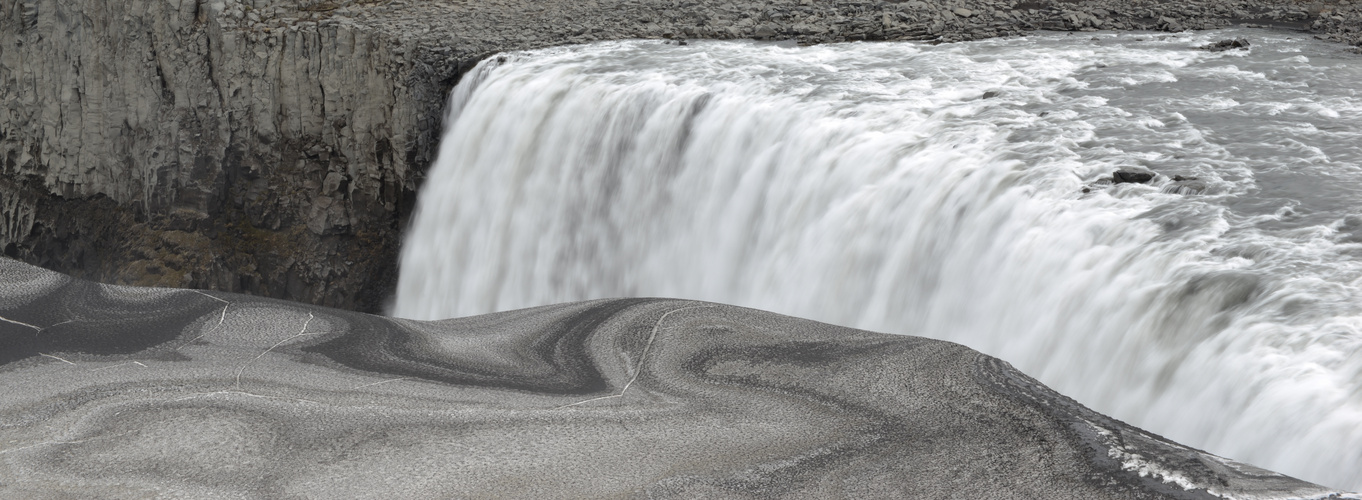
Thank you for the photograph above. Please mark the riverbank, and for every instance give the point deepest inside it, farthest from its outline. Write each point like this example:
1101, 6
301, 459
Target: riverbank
181, 393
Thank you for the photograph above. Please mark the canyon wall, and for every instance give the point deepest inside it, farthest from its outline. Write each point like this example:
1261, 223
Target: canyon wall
275, 147
165, 143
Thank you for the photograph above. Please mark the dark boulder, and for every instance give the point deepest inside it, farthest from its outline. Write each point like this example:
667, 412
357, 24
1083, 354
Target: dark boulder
1223, 45
1132, 176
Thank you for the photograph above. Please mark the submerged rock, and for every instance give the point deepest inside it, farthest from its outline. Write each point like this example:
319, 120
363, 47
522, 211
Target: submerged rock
142, 392
1131, 176
1223, 45
1186, 185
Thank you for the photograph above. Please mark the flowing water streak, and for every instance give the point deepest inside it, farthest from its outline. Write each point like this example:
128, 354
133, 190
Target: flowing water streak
939, 191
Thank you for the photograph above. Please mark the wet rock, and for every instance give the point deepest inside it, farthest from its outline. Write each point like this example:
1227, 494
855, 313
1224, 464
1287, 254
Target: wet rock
332, 183
1223, 45
1170, 24
1186, 185
1131, 176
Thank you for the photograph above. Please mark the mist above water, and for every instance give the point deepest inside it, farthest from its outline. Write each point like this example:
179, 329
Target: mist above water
957, 191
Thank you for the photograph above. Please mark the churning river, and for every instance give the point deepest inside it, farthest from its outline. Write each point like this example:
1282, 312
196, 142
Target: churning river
958, 191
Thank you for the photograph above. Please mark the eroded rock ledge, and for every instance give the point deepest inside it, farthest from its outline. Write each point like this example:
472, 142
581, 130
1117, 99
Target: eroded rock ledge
274, 146
109, 391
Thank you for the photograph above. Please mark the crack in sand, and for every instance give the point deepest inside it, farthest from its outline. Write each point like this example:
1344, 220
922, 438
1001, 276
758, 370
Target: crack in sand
638, 368
58, 358
301, 332
21, 323
381, 382
240, 393
221, 317
54, 443
138, 363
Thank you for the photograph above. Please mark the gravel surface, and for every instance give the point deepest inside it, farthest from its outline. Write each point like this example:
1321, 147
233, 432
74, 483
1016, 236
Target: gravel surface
459, 28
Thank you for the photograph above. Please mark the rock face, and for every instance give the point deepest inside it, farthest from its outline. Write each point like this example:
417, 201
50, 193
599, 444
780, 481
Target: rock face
1224, 45
275, 146
199, 152
208, 394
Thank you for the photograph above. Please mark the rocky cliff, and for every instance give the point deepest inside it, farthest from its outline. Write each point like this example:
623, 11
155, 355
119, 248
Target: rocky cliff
172, 143
275, 147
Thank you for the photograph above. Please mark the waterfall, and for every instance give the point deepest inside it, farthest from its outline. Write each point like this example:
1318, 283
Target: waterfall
960, 192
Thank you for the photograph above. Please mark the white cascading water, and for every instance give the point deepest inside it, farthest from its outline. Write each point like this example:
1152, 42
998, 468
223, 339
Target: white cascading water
940, 191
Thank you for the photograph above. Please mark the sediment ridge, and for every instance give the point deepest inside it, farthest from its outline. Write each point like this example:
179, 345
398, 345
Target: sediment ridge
275, 147
129, 392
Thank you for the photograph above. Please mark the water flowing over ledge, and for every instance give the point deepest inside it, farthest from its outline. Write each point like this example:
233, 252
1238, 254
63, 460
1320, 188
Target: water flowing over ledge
960, 192
287, 137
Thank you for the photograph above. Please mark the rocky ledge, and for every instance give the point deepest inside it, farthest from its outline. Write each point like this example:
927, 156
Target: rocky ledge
275, 146
126, 392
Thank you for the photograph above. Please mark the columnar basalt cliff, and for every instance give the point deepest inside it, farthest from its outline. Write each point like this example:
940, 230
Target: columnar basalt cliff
274, 147
163, 143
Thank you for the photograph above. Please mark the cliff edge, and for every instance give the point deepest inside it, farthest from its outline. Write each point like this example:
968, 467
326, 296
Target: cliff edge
275, 147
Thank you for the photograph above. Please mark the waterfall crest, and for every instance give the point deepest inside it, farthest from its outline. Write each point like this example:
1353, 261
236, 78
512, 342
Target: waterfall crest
959, 192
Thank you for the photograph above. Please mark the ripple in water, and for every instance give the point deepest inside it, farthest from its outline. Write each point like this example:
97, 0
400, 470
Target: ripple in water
940, 191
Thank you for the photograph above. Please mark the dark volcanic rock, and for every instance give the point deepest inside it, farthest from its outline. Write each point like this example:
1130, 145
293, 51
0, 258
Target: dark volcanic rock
1223, 45
145, 393
1131, 176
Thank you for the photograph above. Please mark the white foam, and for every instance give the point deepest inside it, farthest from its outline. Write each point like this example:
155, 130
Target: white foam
875, 186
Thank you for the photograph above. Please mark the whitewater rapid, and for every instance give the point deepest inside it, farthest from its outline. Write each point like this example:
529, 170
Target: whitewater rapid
958, 192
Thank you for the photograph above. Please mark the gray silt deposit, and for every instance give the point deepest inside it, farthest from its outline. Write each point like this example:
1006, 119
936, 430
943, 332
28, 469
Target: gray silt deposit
112, 391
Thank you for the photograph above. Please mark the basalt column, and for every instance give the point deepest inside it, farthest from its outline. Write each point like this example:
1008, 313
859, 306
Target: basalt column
179, 143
